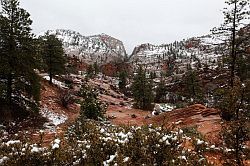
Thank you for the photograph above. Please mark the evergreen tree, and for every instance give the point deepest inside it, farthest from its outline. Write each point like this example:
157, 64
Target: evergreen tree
235, 16
233, 97
161, 91
142, 90
193, 87
235, 112
243, 60
90, 72
91, 108
153, 75
53, 56
96, 68
19, 83
122, 81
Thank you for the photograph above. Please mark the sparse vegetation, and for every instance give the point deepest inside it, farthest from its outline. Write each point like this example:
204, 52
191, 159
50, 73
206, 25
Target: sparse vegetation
66, 98
85, 117
114, 145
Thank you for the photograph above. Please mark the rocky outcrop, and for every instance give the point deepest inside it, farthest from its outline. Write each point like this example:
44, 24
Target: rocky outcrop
195, 113
206, 120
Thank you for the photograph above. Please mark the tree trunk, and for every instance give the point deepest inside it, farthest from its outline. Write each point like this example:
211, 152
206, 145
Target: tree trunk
50, 77
237, 148
9, 89
50, 69
233, 51
193, 85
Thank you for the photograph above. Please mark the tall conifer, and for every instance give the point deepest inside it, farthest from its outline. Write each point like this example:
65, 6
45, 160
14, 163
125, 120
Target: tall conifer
53, 56
142, 90
19, 83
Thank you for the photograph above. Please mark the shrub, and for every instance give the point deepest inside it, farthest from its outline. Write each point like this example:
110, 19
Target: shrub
89, 142
66, 98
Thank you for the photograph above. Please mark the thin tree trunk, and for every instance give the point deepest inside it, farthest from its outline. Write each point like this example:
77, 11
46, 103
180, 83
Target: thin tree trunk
10, 61
50, 77
193, 86
9, 89
233, 56
233, 51
237, 148
50, 69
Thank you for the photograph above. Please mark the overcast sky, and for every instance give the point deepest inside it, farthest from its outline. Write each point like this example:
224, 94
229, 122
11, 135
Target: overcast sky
132, 21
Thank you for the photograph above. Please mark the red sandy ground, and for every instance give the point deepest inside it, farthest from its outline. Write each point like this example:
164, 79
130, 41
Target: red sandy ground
123, 116
50, 99
206, 120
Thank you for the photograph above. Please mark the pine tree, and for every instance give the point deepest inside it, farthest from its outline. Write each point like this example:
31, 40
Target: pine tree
161, 91
235, 16
90, 72
19, 83
236, 125
91, 107
122, 81
142, 90
53, 56
96, 68
233, 99
243, 60
193, 86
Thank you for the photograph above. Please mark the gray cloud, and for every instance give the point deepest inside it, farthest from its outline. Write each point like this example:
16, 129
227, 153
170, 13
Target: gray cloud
132, 21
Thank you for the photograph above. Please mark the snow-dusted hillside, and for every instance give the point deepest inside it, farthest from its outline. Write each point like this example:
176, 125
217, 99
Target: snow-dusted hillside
98, 48
157, 58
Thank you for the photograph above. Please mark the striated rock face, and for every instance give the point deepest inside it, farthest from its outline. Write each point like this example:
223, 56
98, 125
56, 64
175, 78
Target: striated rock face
190, 115
207, 120
98, 48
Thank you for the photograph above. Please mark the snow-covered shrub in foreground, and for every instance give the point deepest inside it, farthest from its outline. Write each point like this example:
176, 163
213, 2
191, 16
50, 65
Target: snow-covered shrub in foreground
95, 143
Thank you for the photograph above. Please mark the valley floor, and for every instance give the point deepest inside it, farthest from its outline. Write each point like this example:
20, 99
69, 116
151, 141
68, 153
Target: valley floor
196, 119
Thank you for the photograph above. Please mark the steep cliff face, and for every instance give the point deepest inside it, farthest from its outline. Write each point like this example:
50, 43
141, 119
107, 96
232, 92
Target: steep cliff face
98, 48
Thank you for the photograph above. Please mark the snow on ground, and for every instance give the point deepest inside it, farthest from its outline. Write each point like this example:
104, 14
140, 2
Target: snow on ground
3, 159
163, 107
56, 82
54, 118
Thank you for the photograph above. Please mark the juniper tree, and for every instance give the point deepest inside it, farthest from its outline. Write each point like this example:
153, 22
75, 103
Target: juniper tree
53, 56
142, 90
19, 82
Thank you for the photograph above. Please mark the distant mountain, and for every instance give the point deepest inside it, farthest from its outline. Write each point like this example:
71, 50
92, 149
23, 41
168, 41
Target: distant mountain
158, 58
98, 48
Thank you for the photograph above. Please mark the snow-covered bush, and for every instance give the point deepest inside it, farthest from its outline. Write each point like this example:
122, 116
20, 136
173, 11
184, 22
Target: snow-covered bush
98, 143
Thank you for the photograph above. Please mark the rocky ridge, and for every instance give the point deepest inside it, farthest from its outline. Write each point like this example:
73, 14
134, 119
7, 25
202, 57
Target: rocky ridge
197, 51
89, 49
